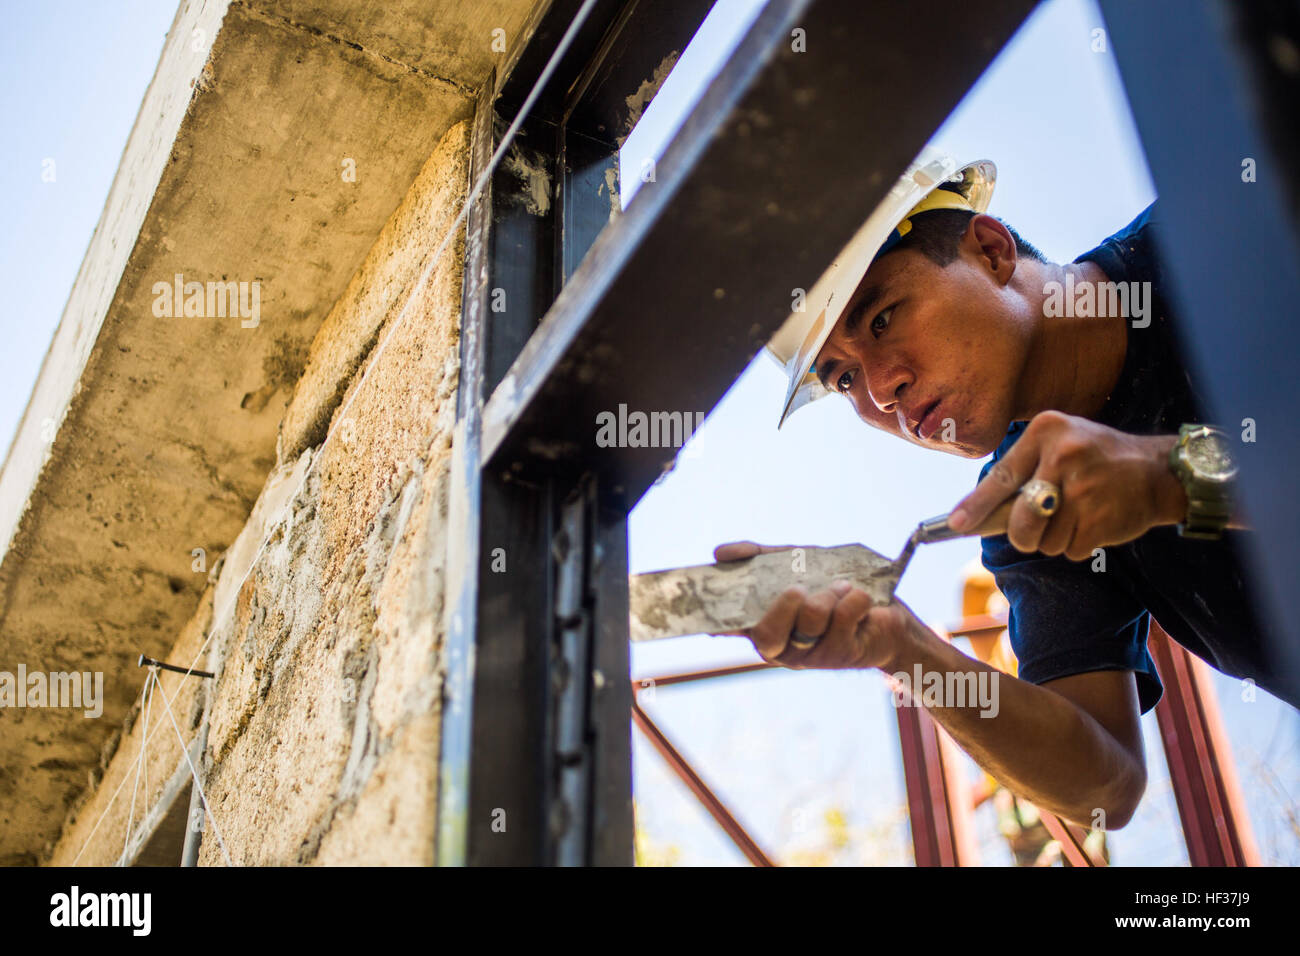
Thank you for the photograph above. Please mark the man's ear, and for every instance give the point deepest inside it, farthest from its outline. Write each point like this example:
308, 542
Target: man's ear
992, 244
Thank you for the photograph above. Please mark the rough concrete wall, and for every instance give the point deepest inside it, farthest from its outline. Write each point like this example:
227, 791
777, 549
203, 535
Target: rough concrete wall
353, 325
233, 172
324, 723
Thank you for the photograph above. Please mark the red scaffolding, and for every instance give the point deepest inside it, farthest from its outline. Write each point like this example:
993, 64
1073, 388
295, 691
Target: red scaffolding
941, 804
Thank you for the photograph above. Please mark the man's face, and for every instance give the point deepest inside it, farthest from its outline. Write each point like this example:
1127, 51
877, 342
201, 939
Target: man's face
933, 354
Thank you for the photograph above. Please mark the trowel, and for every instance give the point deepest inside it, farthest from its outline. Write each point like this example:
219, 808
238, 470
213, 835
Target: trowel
734, 595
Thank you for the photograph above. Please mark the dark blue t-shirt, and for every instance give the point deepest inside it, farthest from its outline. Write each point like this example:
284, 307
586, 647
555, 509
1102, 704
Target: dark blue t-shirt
1067, 618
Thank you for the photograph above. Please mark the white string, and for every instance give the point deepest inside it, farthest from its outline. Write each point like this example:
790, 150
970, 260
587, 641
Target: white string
507, 138
109, 805
198, 786
144, 762
146, 704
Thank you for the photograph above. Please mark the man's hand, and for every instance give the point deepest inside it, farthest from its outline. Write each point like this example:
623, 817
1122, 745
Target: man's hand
1114, 487
851, 631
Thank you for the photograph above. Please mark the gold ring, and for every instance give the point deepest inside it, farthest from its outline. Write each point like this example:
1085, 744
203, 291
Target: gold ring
1042, 496
801, 641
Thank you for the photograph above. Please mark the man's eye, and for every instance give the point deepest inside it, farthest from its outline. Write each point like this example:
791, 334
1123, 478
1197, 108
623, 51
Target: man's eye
881, 322
844, 382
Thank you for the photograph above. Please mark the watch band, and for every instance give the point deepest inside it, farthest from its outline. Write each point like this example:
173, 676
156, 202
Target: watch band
1206, 519
1209, 500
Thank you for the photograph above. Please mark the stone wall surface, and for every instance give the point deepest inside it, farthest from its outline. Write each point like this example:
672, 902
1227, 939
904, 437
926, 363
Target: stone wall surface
275, 142
323, 621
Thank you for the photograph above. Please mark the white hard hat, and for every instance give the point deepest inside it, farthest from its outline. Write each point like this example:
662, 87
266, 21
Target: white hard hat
802, 335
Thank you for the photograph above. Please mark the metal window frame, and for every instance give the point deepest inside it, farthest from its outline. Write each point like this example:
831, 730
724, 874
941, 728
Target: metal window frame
1208, 90
761, 186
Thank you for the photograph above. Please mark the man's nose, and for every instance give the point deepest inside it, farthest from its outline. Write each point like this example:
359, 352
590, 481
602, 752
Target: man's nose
886, 387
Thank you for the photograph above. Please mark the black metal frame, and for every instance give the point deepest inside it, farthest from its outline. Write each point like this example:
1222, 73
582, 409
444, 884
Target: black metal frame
780, 161
1211, 84
537, 752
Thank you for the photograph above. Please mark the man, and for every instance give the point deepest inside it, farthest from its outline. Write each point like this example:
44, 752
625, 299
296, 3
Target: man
961, 337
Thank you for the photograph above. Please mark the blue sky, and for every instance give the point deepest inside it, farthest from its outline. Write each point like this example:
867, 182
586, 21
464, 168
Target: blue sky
781, 748
72, 75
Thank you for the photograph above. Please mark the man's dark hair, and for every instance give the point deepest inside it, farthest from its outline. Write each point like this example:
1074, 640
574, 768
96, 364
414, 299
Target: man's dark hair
935, 234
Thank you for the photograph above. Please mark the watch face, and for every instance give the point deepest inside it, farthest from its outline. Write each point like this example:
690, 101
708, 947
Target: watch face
1209, 455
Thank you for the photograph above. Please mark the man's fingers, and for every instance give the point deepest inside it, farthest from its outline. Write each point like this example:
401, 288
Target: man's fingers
739, 550
814, 616
1026, 528
1060, 531
1003, 480
839, 617
842, 646
849, 612
773, 631
735, 550
832, 616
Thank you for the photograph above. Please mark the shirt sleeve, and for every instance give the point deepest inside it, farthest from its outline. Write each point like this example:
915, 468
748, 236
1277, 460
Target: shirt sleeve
1066, 619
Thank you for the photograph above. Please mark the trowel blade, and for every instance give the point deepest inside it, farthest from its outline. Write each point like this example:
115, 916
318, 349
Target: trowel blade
734, 595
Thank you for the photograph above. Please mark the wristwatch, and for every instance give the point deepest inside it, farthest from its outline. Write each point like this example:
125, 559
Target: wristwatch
1203, 463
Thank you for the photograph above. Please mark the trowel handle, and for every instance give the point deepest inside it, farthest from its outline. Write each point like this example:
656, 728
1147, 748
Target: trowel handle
936, 529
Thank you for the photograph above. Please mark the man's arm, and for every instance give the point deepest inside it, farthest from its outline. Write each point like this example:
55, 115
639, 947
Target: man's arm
1072, 745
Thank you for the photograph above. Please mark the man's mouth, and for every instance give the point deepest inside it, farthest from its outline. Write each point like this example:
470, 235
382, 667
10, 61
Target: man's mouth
929, 420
